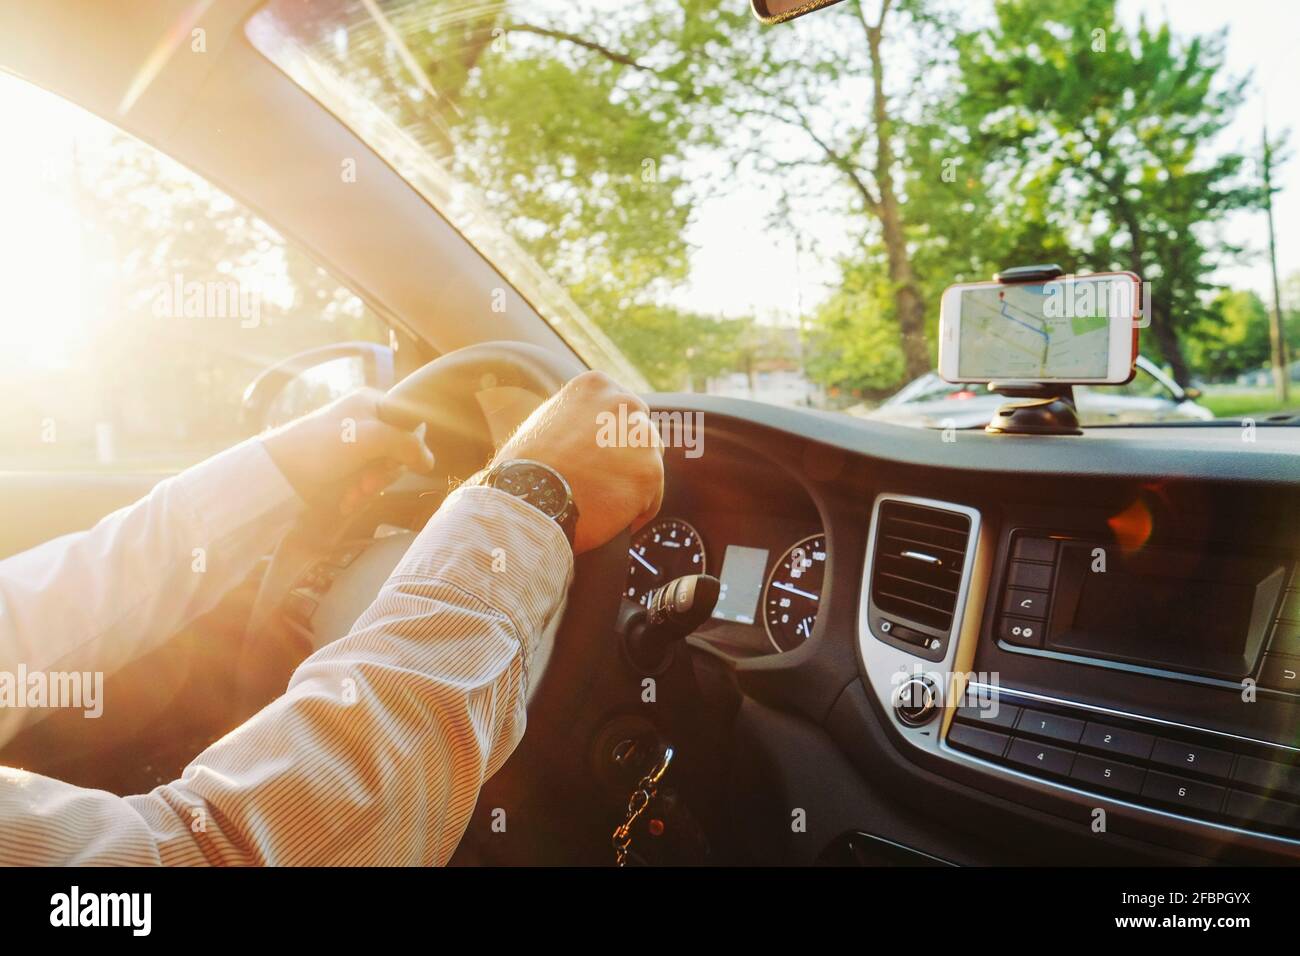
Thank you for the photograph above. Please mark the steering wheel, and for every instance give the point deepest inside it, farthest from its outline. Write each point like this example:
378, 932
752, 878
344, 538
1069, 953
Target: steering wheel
442, 394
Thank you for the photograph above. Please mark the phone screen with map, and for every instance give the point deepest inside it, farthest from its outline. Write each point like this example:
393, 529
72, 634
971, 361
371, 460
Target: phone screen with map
1072, 329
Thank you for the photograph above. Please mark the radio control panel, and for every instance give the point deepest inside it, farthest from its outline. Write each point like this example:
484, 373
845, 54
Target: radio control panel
1207, 776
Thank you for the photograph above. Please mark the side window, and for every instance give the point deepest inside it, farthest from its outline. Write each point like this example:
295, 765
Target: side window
137, 301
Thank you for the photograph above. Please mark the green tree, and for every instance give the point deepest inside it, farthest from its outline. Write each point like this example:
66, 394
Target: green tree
853, 344
570, 145
1232, 338
574, 122
1115, 130
820, 108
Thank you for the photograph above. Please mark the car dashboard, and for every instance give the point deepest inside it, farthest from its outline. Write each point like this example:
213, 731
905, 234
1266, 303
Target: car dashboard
994, 649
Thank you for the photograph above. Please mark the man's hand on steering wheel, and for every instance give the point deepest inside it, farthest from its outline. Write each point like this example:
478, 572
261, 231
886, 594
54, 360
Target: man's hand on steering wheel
343, 454
615, 485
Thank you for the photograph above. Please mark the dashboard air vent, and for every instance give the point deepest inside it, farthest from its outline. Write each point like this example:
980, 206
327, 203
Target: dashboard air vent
920, 553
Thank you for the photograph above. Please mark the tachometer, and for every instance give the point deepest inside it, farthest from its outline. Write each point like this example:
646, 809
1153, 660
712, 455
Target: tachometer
661, 551
793, 592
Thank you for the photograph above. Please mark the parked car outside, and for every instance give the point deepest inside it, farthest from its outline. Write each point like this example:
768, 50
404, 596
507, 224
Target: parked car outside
1152, 396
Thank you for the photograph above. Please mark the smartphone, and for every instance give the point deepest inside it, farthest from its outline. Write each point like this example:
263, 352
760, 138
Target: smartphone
1075, 329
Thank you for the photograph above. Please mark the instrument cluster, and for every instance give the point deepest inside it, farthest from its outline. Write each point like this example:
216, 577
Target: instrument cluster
777, 588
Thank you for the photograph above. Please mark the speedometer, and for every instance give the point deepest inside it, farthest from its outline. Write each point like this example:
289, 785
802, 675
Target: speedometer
661, 551
793, 593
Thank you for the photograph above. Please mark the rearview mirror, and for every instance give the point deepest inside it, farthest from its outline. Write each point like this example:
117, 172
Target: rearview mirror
778, 11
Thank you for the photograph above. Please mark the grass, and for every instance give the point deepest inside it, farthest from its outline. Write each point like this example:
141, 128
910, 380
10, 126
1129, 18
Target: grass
1236, 404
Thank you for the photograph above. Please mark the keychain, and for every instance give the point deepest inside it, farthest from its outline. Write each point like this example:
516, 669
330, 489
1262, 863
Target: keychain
641, 798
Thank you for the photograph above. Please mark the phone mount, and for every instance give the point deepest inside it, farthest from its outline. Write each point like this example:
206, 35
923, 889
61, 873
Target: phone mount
1047, 408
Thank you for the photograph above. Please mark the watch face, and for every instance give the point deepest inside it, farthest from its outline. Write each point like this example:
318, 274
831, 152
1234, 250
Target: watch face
536, 485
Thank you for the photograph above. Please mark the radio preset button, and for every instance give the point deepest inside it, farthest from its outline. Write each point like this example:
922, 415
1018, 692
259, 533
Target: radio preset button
1024, 631
1129, 743
1280, 673
1192, 758
1253, 808
1181, 792
1026, 603
1030, 576
1050, 725
989, 714
1267, 775
1108, 774
989, 743
1041, 757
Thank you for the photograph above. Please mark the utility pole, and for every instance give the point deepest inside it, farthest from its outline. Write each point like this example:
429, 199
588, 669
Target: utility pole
1277, 336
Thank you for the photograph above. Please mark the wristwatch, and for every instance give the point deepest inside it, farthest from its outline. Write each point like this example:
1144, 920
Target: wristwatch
541, 486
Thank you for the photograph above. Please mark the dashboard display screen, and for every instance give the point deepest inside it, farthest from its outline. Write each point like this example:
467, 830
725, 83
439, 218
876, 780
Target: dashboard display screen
1193, 612
742, 581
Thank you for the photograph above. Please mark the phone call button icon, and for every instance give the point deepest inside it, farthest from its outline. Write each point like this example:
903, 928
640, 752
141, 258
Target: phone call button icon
1021, 603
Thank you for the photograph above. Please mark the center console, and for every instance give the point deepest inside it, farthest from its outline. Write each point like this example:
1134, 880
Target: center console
1093, 660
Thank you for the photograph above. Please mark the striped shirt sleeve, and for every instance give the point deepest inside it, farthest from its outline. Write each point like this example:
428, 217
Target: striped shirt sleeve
95, 600
376, 752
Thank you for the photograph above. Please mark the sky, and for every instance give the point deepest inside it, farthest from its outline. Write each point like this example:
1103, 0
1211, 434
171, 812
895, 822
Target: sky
740, 268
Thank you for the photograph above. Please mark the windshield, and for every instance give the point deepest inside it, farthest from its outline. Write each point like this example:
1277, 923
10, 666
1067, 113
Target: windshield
700, 203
